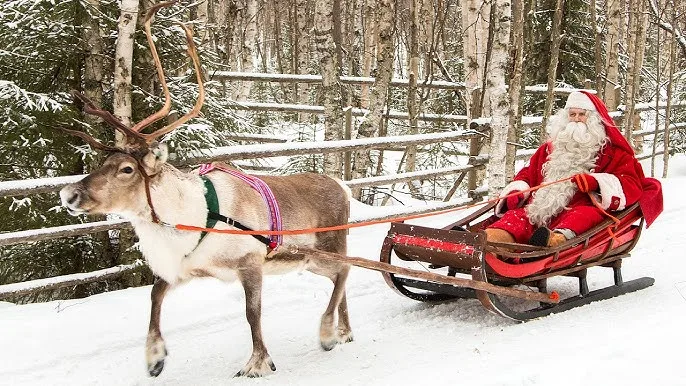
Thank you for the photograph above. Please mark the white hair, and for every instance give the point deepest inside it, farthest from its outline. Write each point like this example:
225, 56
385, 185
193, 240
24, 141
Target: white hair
575, 150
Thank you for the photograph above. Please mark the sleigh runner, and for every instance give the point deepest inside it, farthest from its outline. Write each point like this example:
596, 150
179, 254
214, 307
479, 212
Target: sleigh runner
501, 266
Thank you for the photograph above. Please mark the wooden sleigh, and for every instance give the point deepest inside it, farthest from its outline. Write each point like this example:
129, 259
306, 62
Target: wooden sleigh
465, 265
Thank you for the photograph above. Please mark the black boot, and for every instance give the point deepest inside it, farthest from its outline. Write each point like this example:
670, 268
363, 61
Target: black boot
540, 237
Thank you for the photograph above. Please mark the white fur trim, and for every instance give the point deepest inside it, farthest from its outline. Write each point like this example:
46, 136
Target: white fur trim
610, 187
579, 100
511, 187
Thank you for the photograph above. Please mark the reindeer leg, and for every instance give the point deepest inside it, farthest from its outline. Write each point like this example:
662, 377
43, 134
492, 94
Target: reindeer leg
155, 350
345, 332
260, 362
329, 335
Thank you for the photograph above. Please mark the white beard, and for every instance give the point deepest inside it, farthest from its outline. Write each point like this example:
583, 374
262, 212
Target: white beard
575, 150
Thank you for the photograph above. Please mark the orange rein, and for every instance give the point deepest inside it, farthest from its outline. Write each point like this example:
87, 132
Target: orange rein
366, 223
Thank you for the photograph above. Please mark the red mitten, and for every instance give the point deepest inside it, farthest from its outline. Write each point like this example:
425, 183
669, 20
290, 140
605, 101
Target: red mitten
585, 182
514, 200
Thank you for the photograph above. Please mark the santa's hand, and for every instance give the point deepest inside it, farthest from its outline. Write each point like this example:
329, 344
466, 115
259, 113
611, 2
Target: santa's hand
585, 182
514, 200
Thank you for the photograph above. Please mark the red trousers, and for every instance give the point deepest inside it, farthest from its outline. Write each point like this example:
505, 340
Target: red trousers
578, 219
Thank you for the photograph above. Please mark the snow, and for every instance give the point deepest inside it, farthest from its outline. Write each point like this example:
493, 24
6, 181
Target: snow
634, 339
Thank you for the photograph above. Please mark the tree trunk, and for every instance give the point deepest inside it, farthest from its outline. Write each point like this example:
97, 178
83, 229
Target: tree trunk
413, 74
203, 19
302, 50
248, 47
475, 18
146, 74
498, 96
94, 58
123, 59
370, 34
612, 42
515, 89
670, 87
331, 84
597, 47
637, 46
384, 65
556, 35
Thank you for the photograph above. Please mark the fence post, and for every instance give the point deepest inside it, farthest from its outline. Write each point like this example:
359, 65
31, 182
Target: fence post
347, 157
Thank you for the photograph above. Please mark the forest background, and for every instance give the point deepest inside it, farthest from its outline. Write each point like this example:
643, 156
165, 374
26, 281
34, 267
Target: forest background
629, 51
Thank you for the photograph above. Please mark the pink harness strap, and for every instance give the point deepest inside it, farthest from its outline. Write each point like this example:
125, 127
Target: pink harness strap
275, 223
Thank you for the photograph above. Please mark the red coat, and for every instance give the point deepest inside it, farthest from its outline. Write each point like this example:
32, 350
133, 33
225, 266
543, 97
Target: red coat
620, 179
617, 173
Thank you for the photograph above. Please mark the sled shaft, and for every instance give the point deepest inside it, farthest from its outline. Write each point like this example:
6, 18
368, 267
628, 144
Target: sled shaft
460, 282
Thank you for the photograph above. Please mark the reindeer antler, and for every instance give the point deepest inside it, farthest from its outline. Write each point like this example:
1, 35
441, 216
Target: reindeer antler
90, 108
160, 71
193, 53
133, 134
90, 140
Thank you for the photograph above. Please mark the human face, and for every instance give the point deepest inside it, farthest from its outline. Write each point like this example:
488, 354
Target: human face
577, 115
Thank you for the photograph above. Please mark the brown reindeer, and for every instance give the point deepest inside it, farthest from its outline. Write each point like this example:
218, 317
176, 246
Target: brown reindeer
137, 183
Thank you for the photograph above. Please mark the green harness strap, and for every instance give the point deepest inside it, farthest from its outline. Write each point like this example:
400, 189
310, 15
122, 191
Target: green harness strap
212, 205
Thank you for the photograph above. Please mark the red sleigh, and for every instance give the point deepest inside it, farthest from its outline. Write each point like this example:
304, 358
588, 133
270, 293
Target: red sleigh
492, 269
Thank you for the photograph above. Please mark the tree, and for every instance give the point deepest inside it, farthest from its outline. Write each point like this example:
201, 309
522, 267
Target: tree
369, 126
331, 84
498, 96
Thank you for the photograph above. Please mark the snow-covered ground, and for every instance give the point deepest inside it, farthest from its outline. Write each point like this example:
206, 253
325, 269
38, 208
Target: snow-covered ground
636, 339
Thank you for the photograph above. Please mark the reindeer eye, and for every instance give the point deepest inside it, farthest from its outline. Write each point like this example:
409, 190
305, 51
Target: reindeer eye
127, 170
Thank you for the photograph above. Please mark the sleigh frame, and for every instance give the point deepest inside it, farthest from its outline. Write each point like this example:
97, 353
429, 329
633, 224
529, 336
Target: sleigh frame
511, 266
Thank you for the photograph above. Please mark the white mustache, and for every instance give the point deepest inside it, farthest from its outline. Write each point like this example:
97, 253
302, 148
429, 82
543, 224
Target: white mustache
576, 131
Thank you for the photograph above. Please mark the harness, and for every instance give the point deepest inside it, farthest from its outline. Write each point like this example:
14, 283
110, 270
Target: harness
213, 215
265, 192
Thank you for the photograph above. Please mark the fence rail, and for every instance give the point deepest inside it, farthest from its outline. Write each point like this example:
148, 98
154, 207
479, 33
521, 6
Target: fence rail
280, 147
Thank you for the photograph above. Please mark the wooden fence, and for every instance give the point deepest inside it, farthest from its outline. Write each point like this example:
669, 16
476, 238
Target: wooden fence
476, 131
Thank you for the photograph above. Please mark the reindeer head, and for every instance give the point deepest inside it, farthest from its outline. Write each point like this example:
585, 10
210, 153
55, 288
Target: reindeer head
122, 184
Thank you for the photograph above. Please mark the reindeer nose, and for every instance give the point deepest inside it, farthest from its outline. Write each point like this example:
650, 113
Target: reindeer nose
70, 196
74, 198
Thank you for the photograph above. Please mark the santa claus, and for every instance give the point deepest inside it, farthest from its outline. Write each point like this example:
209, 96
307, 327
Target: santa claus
585, 146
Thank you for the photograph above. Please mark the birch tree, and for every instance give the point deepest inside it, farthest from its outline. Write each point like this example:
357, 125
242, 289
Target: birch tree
597, 46
377, 99
556, 36
636, 49
331, 83
248, 42
123, 60
370, 34
94, 56
301, 49
475, 19
612, 42
498, 96
413, 75
516, 85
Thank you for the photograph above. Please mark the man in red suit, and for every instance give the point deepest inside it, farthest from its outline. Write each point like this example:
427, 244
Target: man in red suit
586, 148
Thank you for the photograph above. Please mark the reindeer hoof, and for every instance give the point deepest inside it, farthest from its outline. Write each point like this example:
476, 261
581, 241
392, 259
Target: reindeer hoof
346, 338
156, 368
329, 344
156, 352
255, 370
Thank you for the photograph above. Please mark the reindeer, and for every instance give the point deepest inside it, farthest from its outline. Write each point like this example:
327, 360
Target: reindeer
137, 183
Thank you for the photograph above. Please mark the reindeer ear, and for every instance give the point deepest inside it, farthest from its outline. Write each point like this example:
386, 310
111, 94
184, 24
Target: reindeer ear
157, 155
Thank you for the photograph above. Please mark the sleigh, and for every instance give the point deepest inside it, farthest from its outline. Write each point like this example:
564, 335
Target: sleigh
463, 264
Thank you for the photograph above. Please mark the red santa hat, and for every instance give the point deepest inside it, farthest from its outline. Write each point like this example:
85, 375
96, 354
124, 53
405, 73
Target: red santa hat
587, 101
